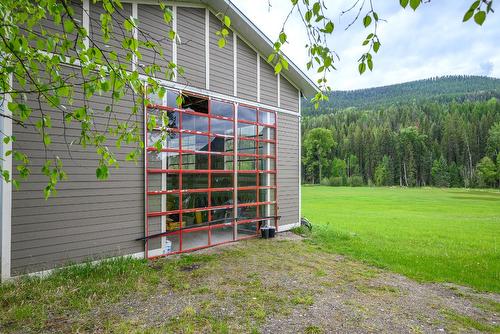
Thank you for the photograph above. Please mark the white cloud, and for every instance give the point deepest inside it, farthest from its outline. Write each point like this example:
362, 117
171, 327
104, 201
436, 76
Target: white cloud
432, 41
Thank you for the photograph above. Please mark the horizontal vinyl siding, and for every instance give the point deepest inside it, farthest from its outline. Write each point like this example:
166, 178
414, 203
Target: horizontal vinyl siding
268, 84
152, 27
247, 71
191, 51
154, 228
289, 95
221, 60
288, 169
87, 219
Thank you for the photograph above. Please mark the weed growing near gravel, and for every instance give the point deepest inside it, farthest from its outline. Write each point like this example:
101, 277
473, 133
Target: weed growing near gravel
462, 322
313, 330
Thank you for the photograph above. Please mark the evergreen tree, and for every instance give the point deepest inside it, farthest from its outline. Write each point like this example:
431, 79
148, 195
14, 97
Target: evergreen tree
412, 135
439, 172
456, 179
382, 173
352, 166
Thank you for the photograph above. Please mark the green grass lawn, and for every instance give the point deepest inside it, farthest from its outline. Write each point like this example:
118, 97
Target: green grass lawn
439, 235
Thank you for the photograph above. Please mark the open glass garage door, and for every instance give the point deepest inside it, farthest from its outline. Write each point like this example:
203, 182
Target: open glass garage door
214, 179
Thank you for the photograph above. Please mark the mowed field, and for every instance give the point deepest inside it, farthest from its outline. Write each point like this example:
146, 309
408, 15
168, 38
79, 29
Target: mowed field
429, 234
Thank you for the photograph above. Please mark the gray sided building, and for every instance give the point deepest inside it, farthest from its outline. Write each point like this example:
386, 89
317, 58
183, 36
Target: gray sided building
231, 164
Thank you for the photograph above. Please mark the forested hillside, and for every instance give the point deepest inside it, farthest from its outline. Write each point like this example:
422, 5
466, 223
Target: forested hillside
411, 144
442, 90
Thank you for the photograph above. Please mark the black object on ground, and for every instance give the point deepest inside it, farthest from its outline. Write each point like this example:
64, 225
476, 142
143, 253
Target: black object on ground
305, 222
267, 232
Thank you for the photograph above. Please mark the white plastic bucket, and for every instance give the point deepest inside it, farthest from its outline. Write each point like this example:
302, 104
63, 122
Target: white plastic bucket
168, 247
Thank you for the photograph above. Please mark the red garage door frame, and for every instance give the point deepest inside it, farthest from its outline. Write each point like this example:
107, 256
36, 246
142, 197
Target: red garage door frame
253, 192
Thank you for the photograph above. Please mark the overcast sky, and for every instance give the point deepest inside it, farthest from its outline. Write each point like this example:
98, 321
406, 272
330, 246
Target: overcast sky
432, 41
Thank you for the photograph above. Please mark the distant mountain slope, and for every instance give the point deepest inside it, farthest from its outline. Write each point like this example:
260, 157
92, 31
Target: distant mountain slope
441, 89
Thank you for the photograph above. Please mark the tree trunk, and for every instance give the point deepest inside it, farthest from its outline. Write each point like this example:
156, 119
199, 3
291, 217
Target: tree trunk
470, 157
400, 177
349, 167
320, 173
406, 177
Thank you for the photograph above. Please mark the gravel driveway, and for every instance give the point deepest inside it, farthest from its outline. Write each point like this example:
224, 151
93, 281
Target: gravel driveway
287, 285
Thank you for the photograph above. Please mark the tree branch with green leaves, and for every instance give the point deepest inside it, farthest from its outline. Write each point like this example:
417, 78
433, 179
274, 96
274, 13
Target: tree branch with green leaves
45, 70
319, 28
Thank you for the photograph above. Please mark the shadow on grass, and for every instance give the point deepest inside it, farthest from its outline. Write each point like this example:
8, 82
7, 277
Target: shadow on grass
478, 198
476, 192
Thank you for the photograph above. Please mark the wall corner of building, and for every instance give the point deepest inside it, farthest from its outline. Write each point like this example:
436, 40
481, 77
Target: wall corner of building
300, 156
5, 191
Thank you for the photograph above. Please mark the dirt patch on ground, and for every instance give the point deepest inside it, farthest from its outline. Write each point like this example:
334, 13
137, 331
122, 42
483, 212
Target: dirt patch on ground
283, 285
287, 285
